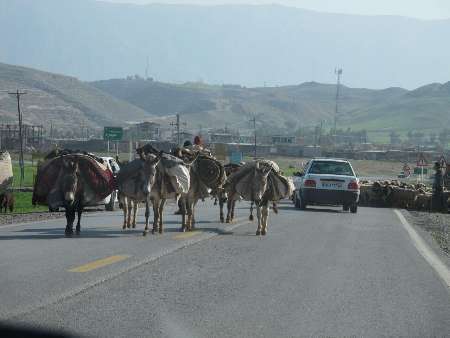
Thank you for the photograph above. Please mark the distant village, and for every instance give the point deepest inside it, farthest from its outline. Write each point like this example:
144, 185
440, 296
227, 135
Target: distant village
313, 142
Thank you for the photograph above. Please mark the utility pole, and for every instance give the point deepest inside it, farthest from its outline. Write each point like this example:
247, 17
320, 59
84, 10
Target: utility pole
17, 94
338, 72
178, 124
253, 120
320, 132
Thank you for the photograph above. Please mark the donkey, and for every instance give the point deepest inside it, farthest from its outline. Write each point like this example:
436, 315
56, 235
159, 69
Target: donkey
135, 187
159, 194
72, 189
7, 201
253, 189
206, 175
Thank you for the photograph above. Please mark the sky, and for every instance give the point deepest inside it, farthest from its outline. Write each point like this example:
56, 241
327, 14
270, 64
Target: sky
422, 9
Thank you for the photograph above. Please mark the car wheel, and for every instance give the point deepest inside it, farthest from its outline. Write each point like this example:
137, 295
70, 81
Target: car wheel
111, 206
296, 202
354, 209
345, 207
301, 203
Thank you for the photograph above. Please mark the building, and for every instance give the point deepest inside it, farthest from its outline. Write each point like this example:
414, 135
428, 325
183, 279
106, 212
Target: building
145, 131
184, 136
281, 139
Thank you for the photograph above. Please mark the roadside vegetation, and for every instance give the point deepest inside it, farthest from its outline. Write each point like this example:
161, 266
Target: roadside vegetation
30, 172
23, 203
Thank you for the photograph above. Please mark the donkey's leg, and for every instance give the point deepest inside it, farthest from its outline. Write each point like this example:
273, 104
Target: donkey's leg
124, 203
70, 216
275, 207
222, 219
161, 210
258, 215
265, 218
79, 212
156, 203
135, 208
233, 206
147, 214
182, 205
251, 212
189, 215
129, 213
229, 207
194, 204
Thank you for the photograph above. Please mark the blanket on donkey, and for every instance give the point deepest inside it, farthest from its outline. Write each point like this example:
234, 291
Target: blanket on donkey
97, 178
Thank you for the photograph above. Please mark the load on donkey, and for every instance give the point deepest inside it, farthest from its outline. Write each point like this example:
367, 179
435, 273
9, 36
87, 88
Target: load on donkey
207, 176
72, 180
6, 180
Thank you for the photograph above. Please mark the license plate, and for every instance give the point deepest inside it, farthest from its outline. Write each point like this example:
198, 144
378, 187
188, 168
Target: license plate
332, 185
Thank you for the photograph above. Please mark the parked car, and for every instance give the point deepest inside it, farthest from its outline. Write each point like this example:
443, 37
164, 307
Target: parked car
111, 201
327, 181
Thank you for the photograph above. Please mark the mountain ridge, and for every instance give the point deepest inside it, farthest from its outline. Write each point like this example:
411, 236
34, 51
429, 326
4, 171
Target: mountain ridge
251, 45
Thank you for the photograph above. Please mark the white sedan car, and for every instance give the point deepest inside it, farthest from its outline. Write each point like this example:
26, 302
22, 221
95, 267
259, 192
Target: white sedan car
111, 201
327, 181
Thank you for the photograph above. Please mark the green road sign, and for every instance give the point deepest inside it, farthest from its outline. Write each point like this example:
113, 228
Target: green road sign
112, 133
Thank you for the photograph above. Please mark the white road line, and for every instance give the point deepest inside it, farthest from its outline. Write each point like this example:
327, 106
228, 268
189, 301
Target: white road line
436, 263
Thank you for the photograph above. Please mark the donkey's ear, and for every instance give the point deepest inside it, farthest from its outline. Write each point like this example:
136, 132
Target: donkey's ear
257, 166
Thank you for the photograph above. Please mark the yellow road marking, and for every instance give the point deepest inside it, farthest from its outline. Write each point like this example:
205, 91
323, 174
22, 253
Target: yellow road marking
185, 235
99, 263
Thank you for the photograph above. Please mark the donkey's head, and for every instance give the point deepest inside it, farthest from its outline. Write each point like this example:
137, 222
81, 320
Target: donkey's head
149, 172
260, 180
70, 180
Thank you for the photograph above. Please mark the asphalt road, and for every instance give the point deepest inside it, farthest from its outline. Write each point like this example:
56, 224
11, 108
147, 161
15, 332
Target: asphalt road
317, 273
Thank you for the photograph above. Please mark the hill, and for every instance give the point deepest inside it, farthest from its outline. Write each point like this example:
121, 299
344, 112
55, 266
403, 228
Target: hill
64, 101
248, 45
285, 109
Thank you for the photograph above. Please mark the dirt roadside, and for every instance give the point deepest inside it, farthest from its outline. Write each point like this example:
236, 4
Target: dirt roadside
434, 227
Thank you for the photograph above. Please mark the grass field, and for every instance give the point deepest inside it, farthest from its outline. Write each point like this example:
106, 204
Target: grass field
23, 203
29, 171
363, 168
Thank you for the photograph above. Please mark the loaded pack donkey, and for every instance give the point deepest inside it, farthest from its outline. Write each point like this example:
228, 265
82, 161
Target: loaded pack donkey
207, 176
72, 187
134, 182
222, 195
72, 181
259, 182
172, 179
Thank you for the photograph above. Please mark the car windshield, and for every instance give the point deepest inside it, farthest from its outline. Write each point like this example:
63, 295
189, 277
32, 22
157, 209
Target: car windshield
331, 168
